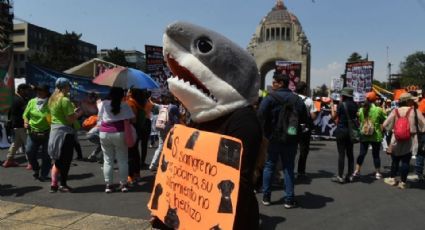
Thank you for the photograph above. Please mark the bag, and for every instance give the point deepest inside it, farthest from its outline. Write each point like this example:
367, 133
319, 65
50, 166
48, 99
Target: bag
162, 119
420, 137
287, 128
368, 127
130, 134
353, 130
402, 126
90, 122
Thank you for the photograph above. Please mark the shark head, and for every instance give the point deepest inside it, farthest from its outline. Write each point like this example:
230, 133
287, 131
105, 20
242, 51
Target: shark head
212, 75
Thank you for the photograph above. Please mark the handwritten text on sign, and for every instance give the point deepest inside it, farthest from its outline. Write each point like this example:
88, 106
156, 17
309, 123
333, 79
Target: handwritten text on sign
197, 183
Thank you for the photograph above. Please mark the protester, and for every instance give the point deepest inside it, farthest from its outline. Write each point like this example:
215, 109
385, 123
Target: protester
112, 116
154, 133
172, 118
37, 122
146, 128
419, 162
269, 111
306, 132
371, 118
401, 148
19, 135
62, 134
346, 110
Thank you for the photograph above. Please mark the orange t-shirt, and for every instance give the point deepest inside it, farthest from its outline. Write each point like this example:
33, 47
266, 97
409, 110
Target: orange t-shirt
421, 106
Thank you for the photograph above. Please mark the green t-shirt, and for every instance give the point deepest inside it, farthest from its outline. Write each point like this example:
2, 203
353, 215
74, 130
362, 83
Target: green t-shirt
37, 118
377, 116
61, 110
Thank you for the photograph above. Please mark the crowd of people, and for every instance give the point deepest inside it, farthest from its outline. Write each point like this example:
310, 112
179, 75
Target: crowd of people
46, 125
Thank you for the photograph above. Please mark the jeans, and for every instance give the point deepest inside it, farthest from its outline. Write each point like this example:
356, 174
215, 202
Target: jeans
134, 160
114, 147
287, 153
304, 149
376, 147
157, 154
419, 164
19, 136
345, 147
64, 162
405, 161
32, 147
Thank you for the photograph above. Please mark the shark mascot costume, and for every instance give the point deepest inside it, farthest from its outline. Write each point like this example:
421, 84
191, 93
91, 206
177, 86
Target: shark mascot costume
218, 82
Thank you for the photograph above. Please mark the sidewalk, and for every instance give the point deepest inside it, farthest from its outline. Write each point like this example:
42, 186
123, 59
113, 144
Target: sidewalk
24, 216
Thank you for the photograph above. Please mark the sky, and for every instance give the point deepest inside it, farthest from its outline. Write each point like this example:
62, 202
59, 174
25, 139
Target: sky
384, 30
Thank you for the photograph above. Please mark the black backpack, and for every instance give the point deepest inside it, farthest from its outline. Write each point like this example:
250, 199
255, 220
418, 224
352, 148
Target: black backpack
287, 129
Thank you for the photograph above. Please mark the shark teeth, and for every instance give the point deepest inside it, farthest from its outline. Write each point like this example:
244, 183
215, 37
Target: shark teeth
195, 87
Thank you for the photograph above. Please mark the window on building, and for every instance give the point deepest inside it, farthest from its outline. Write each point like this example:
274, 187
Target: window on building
22, 57
22, 71
19, 32
19, 44
288, 34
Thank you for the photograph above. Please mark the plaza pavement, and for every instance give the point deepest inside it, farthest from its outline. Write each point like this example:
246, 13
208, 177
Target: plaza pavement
365, 204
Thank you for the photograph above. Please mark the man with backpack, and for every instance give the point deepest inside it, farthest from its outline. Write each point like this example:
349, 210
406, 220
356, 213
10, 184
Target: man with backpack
168, 115
306, 132
282, 112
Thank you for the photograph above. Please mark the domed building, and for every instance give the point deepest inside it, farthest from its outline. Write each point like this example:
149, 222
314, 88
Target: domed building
280, 37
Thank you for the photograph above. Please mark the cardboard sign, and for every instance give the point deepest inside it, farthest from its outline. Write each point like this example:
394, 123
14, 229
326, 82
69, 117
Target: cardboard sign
197, 183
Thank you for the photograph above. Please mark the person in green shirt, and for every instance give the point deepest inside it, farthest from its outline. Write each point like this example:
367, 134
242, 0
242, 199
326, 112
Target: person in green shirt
36, 120
371, 119
62, 134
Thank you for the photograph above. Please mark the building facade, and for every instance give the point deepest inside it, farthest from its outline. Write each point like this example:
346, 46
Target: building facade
29, 39
134, 57
280, 37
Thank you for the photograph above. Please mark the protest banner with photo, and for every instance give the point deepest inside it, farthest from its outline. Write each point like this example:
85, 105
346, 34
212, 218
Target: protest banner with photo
6, 79
359, 76
197, 183
292, 69
81, 86
156, 66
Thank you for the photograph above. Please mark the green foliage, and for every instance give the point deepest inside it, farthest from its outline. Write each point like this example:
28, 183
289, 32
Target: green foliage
413, 69
117, 56
354, 57
62, 52
321, 91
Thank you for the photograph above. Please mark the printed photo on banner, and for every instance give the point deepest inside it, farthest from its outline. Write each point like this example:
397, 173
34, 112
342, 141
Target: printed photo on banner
292, 69
197, 184
359, 76
156, 67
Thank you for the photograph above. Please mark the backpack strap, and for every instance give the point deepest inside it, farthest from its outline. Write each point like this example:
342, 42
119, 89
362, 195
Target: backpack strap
408, 112
397, 114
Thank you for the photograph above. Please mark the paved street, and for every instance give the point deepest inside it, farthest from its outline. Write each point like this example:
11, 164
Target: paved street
364, 204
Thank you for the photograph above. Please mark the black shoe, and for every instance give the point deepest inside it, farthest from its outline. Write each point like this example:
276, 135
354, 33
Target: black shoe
54, 188
302, 176
266, 201
44, 178
290, 204
36, 175
79, 158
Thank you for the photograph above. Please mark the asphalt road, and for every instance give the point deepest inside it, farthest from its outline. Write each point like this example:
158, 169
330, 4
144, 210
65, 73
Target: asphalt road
365, 204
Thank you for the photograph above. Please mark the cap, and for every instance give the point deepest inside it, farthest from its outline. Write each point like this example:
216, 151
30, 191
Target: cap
405, 97
371, 96
62, 82
347, 91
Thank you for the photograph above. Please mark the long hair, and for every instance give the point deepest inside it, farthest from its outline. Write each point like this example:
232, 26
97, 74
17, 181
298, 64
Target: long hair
56, 96
116, 95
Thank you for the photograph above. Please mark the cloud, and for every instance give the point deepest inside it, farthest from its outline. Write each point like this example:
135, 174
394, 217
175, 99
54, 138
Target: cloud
320, 76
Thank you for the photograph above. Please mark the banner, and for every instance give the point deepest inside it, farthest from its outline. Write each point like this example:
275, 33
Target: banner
156, 67
359, 76
81, 86
197, 183
292, 69
6, 79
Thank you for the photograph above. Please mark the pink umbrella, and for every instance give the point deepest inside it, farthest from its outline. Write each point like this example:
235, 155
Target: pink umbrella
125, 78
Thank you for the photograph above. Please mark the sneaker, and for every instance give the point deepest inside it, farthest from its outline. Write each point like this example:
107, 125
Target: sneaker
402, 185
153, 168
356, 174
109, 188
290, 204
421, 177
266, 201
65, 188
349, 179
10, 163
29, 167
123, 188
53, 188
391, 181
338, 179
378, 176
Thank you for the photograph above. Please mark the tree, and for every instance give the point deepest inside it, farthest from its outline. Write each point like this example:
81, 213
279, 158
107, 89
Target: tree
321, 91
117, 56
354, 57
62, 52
413, 69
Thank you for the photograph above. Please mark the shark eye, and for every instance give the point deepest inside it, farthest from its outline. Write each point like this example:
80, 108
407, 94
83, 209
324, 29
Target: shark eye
204, 45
